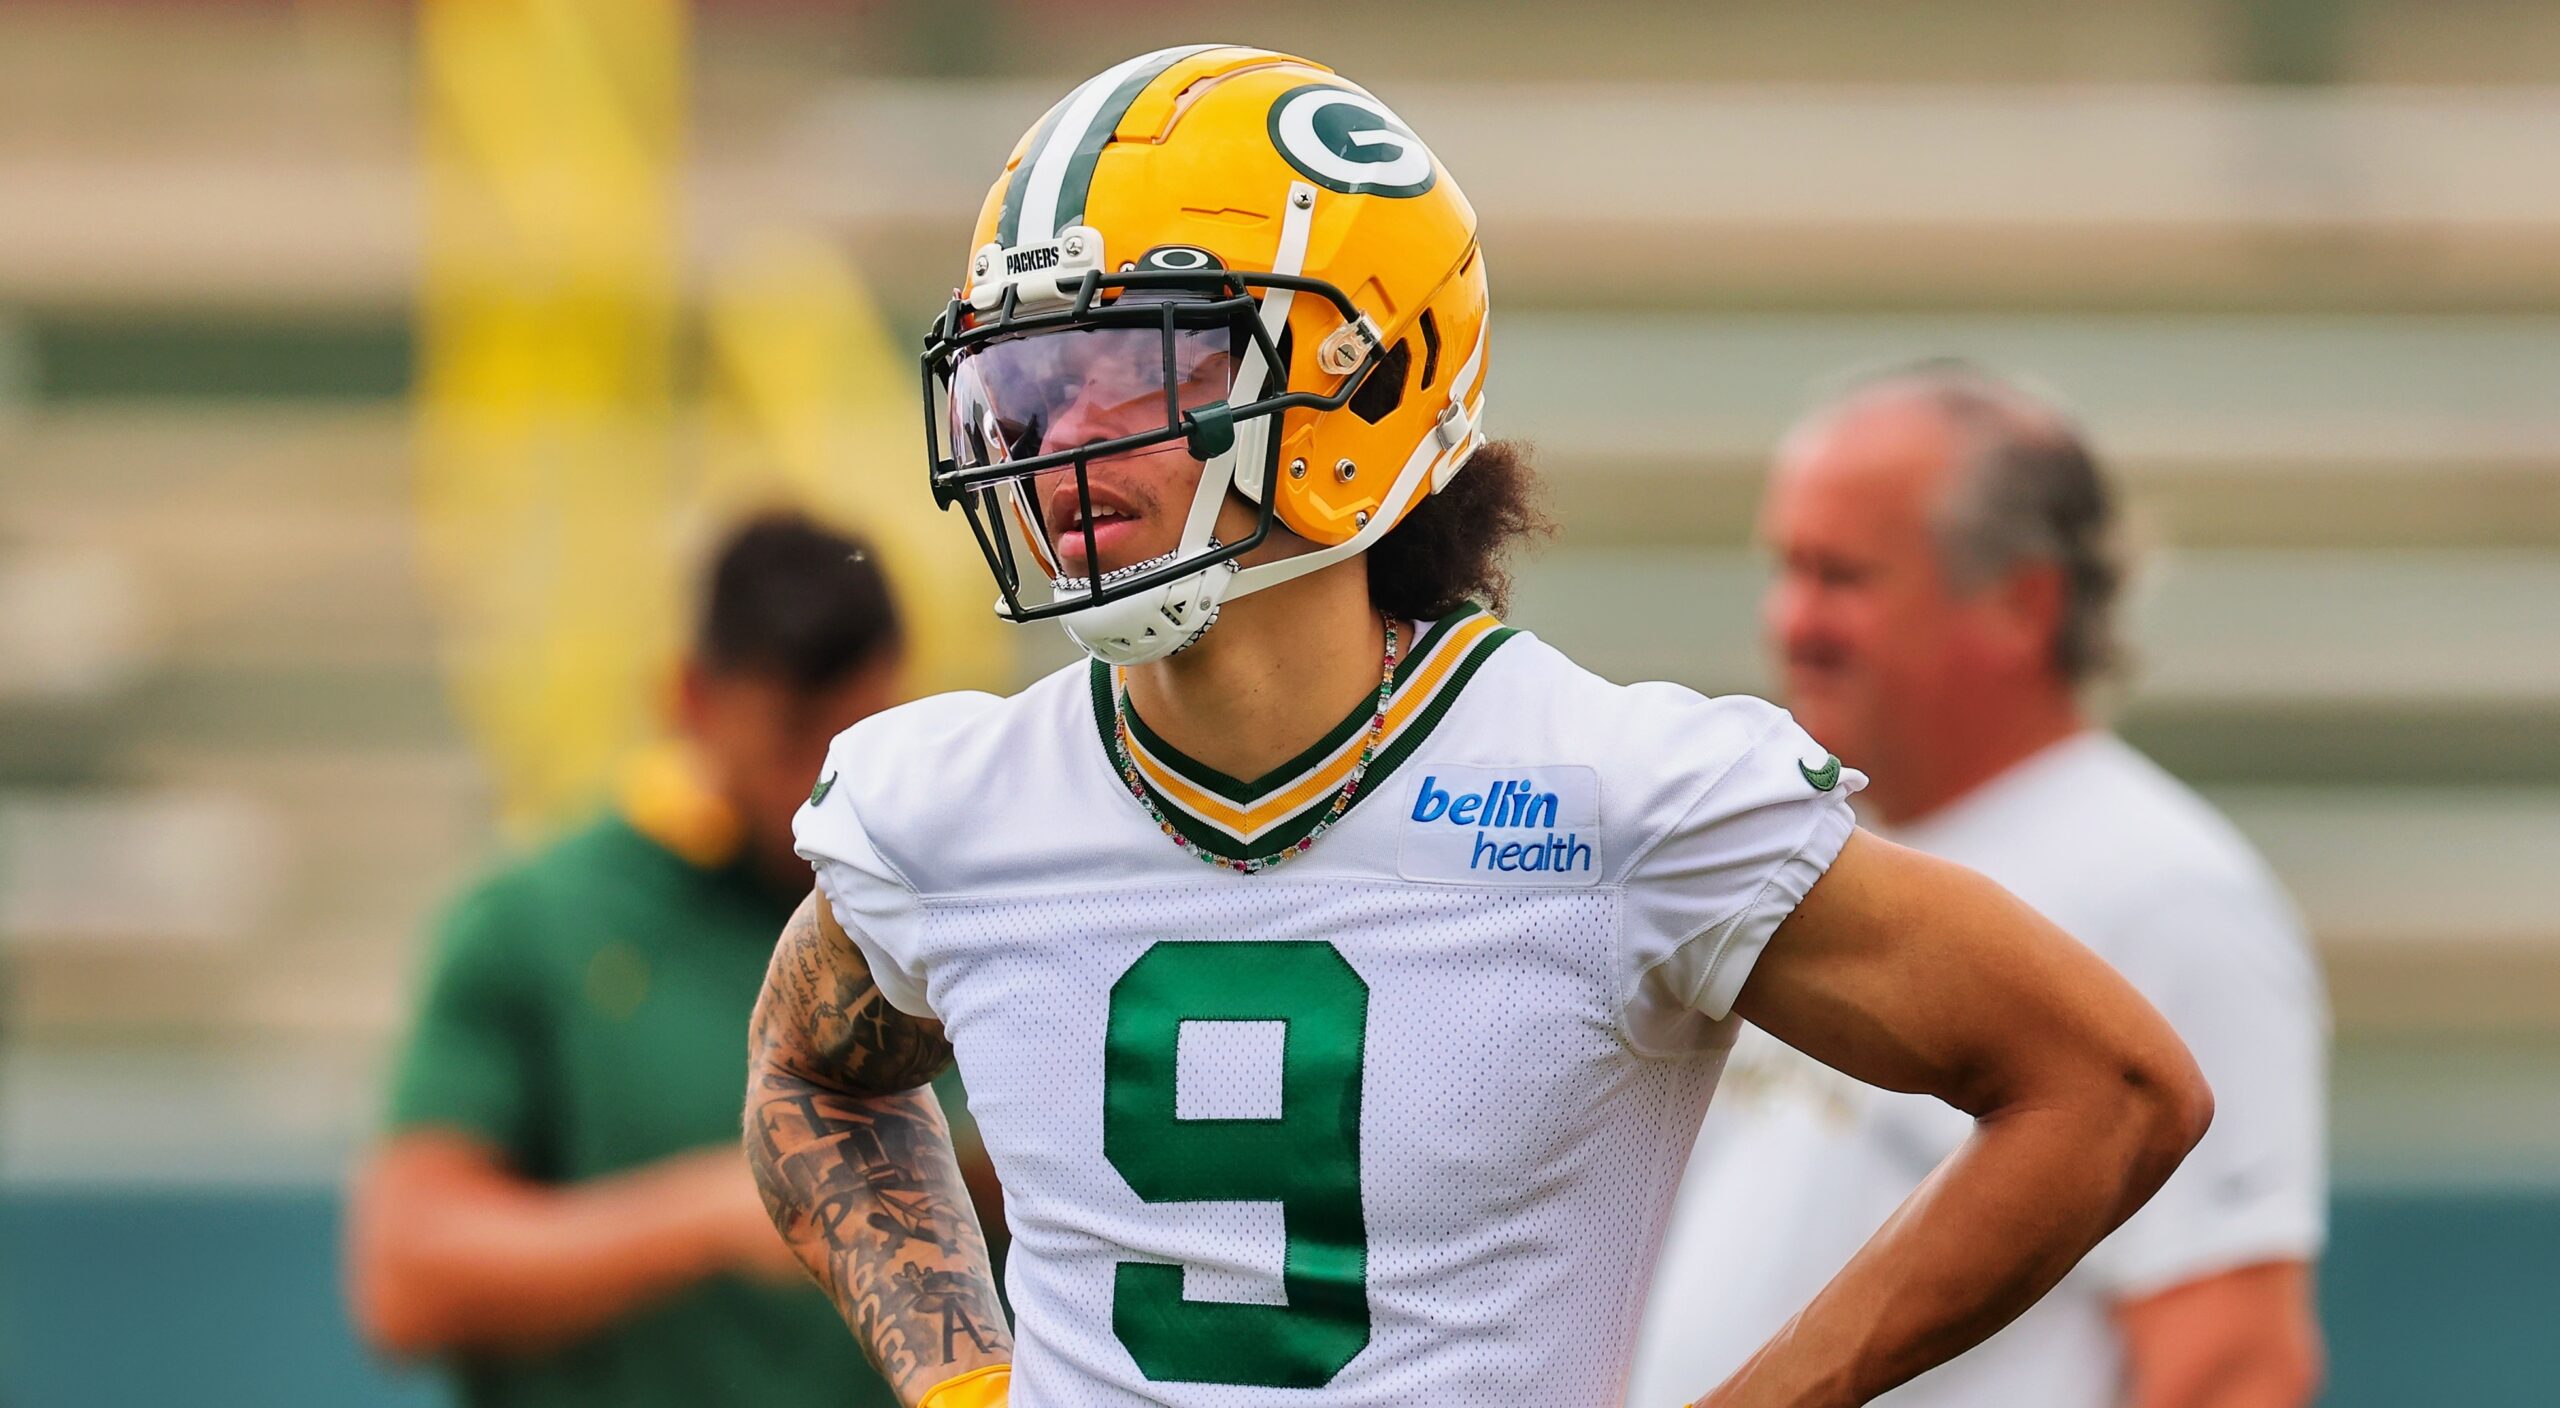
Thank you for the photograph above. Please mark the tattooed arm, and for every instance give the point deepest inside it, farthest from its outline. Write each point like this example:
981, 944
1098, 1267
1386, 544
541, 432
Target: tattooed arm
850, 1148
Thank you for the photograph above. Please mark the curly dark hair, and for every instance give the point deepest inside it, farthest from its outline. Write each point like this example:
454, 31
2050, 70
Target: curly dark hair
1455, 546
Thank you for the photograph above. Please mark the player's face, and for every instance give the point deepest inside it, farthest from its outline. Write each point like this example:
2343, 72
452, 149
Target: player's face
1870, 640
1140, 498
1059, 391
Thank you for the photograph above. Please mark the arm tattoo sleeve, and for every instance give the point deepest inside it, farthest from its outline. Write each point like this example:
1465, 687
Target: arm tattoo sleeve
855, 1161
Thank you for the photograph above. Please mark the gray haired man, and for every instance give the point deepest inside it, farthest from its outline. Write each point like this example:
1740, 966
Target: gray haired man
1948, 567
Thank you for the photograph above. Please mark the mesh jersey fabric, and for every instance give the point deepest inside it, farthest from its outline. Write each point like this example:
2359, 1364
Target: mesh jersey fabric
1400, 1119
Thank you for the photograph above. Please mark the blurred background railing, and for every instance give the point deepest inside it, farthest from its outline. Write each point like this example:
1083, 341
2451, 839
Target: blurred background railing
2298, 262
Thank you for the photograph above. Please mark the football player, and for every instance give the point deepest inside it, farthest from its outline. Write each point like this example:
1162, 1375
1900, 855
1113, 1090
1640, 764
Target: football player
1339, 975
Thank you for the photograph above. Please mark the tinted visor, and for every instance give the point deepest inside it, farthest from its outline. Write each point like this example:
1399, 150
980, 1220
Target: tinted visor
1064, 389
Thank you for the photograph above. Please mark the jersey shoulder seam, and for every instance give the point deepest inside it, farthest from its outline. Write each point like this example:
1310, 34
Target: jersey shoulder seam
986, 708
1646, 848
1625, 999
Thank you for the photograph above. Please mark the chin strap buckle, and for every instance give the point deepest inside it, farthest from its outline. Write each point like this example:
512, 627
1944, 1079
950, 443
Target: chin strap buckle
1453, 429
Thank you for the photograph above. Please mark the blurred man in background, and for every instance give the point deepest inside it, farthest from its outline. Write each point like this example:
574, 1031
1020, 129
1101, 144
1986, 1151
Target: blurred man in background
560, 1209
1948, 568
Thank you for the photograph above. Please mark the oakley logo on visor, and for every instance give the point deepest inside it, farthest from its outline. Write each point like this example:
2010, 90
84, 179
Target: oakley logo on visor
1179, 259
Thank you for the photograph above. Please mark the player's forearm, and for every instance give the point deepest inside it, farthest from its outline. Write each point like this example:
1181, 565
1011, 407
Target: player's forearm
868, 1193
454, 1259
1987, 1234
854, 1159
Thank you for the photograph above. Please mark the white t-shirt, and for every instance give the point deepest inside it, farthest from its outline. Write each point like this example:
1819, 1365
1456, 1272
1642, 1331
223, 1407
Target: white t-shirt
1397, 1122
1798, 1165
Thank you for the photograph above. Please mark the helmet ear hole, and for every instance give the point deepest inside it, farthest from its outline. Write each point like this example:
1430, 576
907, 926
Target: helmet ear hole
1382, 390
1430, 349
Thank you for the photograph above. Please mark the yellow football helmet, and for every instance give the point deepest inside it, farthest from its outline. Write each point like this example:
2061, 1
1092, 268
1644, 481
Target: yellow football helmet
1267, 251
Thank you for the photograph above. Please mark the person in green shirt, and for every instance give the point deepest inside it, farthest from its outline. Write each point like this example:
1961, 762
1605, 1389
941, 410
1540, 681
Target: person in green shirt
559, 1210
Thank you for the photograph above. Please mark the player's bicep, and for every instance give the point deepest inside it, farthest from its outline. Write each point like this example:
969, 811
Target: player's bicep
1916, 974
822, 1017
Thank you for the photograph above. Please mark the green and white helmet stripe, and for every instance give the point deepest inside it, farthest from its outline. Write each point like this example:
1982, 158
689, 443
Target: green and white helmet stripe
1047, 193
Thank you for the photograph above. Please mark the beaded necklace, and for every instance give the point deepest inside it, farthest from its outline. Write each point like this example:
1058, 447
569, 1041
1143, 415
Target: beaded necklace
1124, 755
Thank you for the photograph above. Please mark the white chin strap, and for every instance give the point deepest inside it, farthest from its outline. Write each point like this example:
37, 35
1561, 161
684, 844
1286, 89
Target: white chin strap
1154, 624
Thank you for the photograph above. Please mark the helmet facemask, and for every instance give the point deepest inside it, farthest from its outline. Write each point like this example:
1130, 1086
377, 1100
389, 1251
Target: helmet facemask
1051, 374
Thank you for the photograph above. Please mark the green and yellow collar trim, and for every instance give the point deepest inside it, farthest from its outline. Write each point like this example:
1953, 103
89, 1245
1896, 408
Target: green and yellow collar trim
1240, 820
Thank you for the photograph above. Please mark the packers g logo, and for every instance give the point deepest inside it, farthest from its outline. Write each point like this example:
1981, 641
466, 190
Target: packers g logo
1349, 142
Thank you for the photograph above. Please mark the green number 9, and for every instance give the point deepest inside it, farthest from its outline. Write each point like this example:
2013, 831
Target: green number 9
1307, 1160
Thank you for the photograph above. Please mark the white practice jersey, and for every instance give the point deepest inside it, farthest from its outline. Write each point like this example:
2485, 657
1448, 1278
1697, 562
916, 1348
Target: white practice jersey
1799, 1165
1397, 1122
